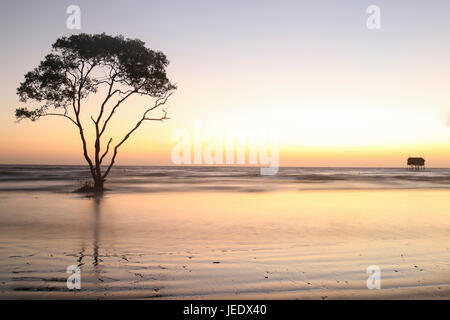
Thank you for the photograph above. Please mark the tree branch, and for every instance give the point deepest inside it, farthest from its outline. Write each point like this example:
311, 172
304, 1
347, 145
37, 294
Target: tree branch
159, 102
114, 109
59, 114
108, 96
80, 127
106, 152
164, 117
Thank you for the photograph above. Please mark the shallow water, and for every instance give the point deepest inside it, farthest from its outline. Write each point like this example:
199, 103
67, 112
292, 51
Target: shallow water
231, 179
212, 244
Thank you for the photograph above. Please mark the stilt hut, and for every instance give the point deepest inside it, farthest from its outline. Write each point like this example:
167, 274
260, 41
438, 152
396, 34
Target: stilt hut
414, 163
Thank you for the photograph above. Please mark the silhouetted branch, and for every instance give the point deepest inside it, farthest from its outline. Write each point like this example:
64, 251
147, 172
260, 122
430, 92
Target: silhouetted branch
159, 119
106, 152
159, 102
113, 110
60, 115
24, 113
80, 127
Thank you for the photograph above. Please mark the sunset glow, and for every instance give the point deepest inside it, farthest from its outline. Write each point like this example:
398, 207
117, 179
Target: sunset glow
340, 96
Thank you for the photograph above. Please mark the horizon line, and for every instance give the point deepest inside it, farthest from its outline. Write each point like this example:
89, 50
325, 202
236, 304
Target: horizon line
209, 166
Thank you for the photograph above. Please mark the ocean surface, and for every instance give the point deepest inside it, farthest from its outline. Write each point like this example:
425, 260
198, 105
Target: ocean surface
217, 233
245, 179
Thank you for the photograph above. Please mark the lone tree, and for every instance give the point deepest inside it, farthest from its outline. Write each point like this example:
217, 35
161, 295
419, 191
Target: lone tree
112, 66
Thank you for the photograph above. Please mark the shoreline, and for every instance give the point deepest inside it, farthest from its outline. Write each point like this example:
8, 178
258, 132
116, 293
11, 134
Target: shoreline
219, 245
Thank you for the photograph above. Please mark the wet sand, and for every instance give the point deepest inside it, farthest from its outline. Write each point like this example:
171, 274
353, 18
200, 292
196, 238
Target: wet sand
238, 245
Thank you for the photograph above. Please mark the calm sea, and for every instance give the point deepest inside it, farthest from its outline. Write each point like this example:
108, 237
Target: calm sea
56, 178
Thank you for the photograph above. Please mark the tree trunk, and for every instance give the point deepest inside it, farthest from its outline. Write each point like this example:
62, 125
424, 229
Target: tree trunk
98, 184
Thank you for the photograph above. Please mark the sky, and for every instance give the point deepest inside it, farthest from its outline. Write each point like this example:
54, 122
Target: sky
309, 72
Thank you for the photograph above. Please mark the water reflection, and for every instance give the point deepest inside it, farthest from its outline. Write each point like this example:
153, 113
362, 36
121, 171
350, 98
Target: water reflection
90, 236
97, 200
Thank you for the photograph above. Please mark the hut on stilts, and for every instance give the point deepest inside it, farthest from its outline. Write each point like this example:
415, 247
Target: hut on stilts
414, 163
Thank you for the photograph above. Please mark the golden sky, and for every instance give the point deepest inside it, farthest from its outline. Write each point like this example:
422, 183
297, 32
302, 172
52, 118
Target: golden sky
334, 92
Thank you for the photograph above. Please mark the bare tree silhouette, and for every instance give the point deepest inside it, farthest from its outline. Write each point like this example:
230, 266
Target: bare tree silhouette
80, 65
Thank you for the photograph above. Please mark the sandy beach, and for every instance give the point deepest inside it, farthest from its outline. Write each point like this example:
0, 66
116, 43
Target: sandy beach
288, 244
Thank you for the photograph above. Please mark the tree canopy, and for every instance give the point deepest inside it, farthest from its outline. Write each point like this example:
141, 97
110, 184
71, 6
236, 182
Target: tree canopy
80, 65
